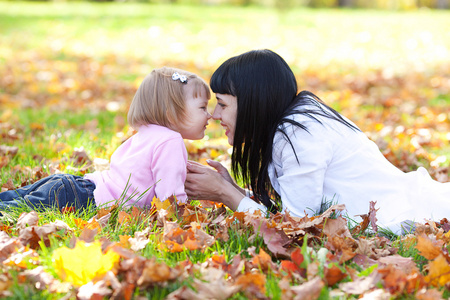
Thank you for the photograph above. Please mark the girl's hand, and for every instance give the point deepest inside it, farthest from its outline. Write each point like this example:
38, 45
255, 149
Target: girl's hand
205, 183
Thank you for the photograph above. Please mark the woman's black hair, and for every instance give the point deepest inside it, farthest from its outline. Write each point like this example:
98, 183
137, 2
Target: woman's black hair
266, 92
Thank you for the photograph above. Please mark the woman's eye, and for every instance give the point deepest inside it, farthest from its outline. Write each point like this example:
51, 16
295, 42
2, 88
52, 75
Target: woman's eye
221, 105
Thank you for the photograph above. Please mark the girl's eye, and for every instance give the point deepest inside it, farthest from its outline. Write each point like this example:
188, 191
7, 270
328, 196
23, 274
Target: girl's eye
203, 107
221, 105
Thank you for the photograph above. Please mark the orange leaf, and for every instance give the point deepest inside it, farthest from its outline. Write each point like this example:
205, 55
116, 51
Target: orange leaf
252, 282
263, 260
297, 256
123, 217
428, 248
289, 266
333, 275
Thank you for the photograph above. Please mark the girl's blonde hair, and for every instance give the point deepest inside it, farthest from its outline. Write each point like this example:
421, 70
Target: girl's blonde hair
160, 100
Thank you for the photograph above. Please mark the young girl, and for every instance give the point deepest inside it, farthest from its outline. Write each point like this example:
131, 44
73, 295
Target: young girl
292, 147
170, 105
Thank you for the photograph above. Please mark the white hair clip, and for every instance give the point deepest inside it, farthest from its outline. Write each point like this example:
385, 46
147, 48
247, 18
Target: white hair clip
182, 78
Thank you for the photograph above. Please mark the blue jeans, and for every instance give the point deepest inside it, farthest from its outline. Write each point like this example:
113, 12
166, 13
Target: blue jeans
54, 191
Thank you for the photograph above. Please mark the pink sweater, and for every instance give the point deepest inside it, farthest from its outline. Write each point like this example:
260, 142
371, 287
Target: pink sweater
154, 158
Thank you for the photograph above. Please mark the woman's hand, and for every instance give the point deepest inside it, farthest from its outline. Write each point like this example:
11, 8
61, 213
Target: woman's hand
205, 183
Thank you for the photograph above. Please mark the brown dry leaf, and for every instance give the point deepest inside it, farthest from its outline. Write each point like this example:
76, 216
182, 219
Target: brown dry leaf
43, 280
9, 185
5, 283
213, 286
429, 294
140, 240
156, 273
438, 271
22, 258
338, 227
309, 290
372, 216
34, 234
361, 284
361, 227
274, 239
343, 247
429, 247
93, 291
406, 264
8, 245
27, 219
88, 235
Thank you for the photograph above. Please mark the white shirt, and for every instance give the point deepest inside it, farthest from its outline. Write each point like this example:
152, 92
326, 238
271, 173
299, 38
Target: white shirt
341, 164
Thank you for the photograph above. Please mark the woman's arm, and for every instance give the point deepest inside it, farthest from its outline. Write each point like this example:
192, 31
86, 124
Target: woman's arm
205, 183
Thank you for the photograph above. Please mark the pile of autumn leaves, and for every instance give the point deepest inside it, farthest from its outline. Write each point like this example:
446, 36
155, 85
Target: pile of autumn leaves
305, 254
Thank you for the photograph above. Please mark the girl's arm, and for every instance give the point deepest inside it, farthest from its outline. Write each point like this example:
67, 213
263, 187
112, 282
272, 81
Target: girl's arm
169, 169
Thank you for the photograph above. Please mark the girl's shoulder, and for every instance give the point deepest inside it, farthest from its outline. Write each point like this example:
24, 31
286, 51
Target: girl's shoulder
158, 131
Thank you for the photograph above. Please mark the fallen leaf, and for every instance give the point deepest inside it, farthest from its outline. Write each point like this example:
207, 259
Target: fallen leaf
438, 271
83, 263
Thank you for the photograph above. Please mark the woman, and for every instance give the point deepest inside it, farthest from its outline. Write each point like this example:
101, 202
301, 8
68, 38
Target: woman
293, 149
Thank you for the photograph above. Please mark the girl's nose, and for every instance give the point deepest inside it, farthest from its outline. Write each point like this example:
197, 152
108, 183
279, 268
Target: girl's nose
209, 116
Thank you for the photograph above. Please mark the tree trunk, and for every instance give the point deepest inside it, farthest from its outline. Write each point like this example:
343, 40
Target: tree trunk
442, 4
346, 3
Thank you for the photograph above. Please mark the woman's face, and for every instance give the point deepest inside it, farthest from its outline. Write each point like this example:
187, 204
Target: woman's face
226, 112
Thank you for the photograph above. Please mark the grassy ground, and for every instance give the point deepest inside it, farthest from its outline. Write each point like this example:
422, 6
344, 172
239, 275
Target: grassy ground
69, 71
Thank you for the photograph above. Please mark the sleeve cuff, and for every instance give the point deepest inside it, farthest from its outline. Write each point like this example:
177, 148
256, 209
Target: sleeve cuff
248, 205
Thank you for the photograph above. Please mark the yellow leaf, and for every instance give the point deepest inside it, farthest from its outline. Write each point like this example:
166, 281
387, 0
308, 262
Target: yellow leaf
166, 205
439, 271
83, 263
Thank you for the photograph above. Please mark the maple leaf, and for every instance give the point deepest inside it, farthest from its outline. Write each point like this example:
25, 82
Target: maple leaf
262, 260
194, 238
309, 290
253, 284
438, 271
91, 290
156, 272
333, 275
429, 248
44, 281
372, 216
27, 219
213, 286
294, 266
274, 239
361, 284
140, 240
83, 263
34, 234
167, 205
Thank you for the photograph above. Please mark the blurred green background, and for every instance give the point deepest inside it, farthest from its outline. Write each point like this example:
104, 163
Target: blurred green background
69, 70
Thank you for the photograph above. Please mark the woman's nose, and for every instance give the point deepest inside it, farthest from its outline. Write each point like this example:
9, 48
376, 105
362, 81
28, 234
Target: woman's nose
215, 115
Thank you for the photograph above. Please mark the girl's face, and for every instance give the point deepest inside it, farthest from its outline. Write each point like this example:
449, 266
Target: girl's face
197, 115
226, 112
